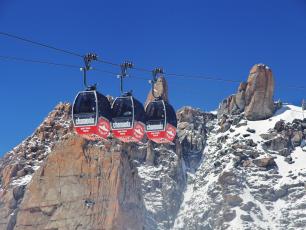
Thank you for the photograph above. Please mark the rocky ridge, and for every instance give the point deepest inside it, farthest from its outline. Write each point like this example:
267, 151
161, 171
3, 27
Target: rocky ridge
225, 172
160, 90
18, 166
252, 176
254, 97
42, 153
75, 184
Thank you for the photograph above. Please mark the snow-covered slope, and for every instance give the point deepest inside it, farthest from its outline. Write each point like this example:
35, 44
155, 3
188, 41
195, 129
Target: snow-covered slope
243, 182
287, 113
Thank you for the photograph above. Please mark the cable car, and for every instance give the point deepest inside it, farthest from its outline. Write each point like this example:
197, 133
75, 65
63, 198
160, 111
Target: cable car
91, 111
128, 115
161, 121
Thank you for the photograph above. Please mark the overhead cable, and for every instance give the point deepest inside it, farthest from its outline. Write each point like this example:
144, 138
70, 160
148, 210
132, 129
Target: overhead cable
69, 52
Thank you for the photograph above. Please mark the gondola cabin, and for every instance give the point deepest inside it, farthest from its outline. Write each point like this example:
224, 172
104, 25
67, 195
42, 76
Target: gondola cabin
128, 119
161, 122
91, 115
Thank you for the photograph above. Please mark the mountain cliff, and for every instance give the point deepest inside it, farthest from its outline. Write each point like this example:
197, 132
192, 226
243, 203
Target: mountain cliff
237, 170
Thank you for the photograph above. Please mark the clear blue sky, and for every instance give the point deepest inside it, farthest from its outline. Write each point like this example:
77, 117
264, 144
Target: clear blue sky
211, 38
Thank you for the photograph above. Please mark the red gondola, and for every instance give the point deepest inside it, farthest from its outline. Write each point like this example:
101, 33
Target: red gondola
161, 121
91, 112
127, 114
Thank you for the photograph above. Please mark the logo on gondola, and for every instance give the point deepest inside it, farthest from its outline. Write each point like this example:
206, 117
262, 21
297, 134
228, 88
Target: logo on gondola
103, 128
170, 133
139, 131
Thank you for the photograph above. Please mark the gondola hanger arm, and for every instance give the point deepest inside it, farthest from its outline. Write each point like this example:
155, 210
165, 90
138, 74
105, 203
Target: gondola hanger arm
124, 67
88, 58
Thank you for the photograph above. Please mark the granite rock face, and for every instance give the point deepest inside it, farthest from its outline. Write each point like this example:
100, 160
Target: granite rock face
160, 90
259, 93
254, 97
192, 134
83, 187
18, 166
56, 180
243, 183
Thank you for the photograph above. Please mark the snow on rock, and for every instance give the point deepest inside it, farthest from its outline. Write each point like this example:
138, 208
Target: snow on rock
28, 156
242, 185
162, 184
17, 166
297, 167
22, 180
226, 173
287, 113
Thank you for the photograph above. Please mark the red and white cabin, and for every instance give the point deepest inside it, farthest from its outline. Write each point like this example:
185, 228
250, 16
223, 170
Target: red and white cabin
91, 114
127, 119
161, 122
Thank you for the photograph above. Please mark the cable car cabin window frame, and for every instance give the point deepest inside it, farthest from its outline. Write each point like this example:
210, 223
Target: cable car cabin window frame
96, 111
104, 104
133, 114
165, 118
171, 113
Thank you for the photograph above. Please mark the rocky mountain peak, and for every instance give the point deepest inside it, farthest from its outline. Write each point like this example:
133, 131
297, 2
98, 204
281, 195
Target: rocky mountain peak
251, 175
56, 180
254, 97
259, 93
260, 67
18, 166
222, 172
160, 90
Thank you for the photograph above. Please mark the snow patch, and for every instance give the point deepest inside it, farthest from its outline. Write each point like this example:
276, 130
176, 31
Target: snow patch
22, 180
